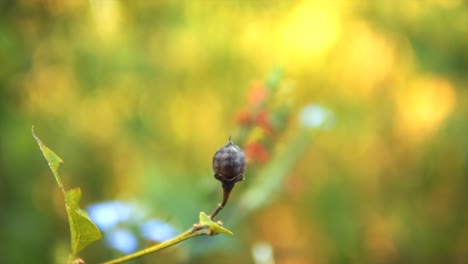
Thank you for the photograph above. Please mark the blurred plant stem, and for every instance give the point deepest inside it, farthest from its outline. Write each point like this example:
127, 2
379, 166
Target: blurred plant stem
205, 226
270, 179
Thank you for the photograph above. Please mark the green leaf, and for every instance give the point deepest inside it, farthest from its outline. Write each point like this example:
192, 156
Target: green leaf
83, 230
215, 228
73, 198
52, 159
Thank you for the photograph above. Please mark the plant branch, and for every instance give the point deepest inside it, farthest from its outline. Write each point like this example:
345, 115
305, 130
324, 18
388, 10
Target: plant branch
204, 227
186, 235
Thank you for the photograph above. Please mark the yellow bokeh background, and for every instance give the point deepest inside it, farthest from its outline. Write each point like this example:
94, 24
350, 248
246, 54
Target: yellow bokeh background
136, 96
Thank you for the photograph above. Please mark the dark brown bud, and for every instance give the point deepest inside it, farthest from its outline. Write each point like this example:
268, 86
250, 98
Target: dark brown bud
229, 163
228, 166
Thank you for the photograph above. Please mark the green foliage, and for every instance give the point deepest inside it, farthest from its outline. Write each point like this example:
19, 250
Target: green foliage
53, 160
83, 230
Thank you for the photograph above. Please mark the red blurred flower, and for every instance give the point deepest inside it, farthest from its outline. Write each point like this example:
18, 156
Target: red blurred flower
257, 152
263, 120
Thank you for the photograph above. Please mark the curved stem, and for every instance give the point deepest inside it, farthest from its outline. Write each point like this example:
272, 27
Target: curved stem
194, 231
227, 188
221, 205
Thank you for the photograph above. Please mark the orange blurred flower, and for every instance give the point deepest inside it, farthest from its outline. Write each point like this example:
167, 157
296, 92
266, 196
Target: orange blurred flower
256, 95
243, 118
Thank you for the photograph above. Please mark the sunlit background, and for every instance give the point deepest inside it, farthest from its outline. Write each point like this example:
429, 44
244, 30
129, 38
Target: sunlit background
353, 116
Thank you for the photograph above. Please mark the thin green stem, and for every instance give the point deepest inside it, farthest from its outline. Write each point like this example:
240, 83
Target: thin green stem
194, 231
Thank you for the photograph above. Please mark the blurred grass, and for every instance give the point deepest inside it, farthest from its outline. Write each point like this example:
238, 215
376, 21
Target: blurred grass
137, 96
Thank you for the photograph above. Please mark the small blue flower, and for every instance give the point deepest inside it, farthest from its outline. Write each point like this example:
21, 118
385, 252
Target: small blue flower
116, 219
107, 215
122, 240
158, 231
